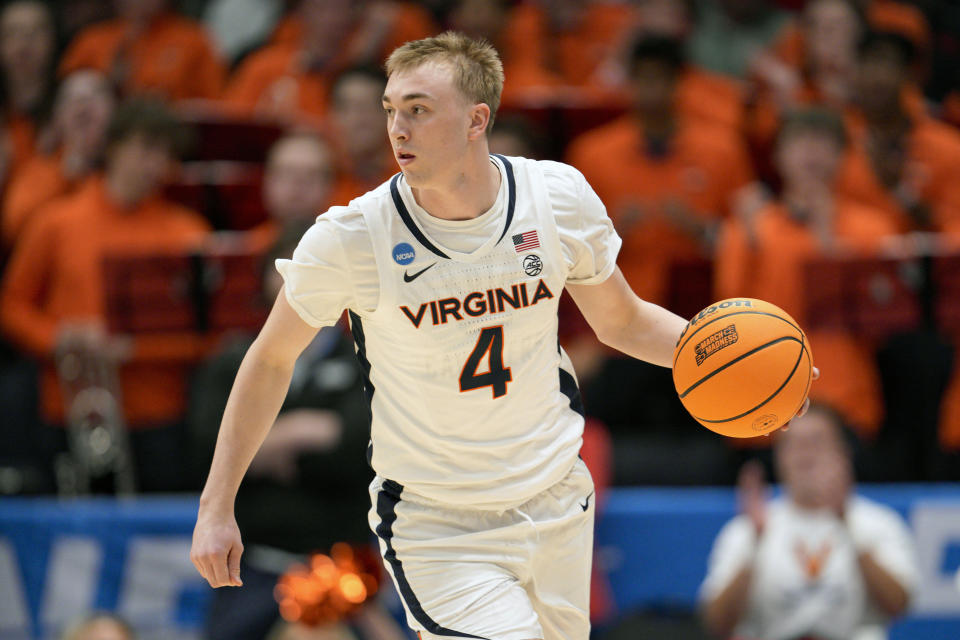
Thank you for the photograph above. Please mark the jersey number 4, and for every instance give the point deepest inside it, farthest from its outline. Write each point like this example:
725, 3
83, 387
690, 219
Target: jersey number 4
497, 376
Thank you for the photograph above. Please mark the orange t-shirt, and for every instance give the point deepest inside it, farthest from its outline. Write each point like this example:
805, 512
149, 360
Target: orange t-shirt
20, 134
173, 57
933, 156
272, 83
570, 57
770, 267
54, 276
701, 169
36, 183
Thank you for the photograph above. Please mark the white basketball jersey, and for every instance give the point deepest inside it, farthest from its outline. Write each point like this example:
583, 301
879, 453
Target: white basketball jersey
472, 400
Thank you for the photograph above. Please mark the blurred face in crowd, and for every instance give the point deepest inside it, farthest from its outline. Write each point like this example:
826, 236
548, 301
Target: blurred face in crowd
141, 11
881, 75
832, 29
329, 20
654, 85
26, 39
101, 629
809, 455
668, 18
299, 178
83, 109
358, 114
428, 123
808, 158
137, 166
479, 18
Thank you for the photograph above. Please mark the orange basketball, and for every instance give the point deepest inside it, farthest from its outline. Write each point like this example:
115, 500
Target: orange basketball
742, 367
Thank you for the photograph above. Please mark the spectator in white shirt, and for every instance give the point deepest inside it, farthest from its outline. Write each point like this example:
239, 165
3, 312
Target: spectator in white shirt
818, 563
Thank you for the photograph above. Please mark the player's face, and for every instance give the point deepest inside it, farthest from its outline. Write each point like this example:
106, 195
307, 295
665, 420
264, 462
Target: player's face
428, 123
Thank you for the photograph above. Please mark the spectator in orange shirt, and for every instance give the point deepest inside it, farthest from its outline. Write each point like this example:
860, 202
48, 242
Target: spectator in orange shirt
364, 156
568, 39
149, 49
82, 111
666, 178
53, 294
764, 256
902, 163
291, 78
27, 49
297, 186
708, 96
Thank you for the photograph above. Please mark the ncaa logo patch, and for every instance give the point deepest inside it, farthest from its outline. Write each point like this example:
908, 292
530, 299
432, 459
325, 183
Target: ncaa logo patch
403, 253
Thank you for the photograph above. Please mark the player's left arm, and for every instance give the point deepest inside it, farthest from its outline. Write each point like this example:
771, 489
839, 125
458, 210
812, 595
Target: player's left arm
627, 323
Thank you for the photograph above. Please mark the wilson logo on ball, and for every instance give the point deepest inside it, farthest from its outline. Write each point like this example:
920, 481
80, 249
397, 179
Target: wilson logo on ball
714, 342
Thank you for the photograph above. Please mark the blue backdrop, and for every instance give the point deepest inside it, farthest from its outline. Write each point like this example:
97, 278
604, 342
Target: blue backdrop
59, 559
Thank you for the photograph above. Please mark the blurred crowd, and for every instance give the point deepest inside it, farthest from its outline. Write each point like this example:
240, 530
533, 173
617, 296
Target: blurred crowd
156, 155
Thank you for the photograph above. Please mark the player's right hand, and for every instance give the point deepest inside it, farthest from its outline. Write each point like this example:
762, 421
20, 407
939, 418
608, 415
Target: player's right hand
216, 549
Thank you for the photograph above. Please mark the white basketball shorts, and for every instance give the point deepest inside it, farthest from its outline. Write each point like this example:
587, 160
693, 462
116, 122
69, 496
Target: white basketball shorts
519, 574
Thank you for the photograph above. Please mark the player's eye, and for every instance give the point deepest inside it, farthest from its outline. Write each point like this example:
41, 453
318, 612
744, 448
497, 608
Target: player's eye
418, 110
388, 111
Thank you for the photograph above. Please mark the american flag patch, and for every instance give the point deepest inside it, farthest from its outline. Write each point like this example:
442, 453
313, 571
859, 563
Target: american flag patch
526, 241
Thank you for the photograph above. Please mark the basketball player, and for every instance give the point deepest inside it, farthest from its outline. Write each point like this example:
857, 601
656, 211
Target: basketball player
451, 272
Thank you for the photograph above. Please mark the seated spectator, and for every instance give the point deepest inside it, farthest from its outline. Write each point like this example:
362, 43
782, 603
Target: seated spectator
764, 256
666, 178
27, 47
149, 49
53, 291
491, 21
306, 488
364, 157
568, 39
290, 79
901, 162
99, 626
80, 116
297, 186
818, 562
711, 97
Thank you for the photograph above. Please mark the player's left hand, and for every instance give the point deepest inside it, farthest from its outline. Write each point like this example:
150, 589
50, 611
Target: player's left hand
806, 403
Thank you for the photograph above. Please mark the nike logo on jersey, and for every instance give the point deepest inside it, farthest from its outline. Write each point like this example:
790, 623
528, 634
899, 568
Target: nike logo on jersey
410, 278
478, 303
586, 505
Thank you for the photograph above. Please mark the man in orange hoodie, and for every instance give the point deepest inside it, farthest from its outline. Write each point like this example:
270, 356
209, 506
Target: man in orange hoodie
53, 295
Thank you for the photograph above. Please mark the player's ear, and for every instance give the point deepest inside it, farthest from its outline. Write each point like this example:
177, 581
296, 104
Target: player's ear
479, 118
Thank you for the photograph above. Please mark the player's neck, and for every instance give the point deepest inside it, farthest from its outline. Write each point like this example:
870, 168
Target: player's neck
468, 194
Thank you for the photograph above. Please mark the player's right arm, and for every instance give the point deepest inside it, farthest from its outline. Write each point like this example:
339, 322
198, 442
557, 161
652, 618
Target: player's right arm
255, 400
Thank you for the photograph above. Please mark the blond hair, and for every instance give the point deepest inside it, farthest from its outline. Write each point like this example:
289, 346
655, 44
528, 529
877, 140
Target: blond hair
477, 70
